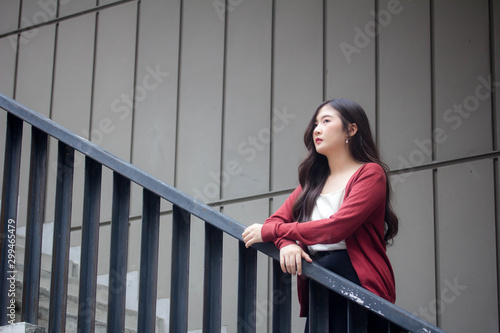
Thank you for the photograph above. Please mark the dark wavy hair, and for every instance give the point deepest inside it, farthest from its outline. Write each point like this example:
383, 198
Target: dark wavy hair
314, 169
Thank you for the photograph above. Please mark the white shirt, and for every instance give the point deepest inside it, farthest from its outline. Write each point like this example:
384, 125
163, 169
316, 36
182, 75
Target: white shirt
327, 205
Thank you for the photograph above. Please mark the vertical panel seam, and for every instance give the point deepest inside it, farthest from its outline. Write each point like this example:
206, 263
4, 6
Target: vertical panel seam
54, 57
14, 89
271, 99
377, 74
433, 78
223, 103
491, 27
94, 61
325, 50
134, 84
177, 107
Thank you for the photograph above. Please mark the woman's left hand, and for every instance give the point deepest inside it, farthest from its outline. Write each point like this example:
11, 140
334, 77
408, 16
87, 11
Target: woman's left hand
252, 235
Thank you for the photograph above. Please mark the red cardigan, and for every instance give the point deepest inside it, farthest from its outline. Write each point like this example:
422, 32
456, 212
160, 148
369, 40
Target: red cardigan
359, 220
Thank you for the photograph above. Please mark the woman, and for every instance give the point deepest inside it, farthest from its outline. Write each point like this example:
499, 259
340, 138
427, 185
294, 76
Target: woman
340, 214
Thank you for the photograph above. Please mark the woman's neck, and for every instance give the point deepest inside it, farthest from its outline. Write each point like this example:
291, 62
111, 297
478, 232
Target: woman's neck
341, 162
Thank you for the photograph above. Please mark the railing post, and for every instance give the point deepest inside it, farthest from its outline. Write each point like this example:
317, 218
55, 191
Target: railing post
212, 296
90, 246
318, 308
282, 300
179, 290
118, 256
150, 237
8, 218
247, 288
60, 248
34, 226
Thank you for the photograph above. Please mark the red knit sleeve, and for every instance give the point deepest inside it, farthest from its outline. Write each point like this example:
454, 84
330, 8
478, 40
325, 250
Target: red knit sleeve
282, 215
364, 196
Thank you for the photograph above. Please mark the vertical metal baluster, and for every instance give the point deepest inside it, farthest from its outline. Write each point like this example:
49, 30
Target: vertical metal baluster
247, 288
282, 300
118, 256
149, 261
212, 298
318, 308
34, 226
61, 239
180, 270
350, 312
8, 218
90, 246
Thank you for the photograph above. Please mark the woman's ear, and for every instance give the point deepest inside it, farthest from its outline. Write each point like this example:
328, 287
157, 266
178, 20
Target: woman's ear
353, 129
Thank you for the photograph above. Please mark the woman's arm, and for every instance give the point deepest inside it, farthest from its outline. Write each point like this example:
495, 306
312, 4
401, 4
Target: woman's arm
284, 215
366, 196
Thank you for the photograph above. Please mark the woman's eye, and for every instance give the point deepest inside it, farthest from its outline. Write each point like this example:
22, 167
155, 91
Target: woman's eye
326, 121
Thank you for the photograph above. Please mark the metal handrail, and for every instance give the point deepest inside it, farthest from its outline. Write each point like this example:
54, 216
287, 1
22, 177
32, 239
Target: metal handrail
349, 290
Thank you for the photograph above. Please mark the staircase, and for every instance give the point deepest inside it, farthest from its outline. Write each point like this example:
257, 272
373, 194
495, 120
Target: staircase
120, 317
162, 306
72, 300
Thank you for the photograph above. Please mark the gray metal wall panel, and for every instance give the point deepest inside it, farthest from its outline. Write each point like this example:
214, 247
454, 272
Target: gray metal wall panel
463, 106
73, 79
466, 248
33, 89
8, 47
153, 146
114, 88
405, 115
69, 7
114, 79
164, 256
297, 86
248, 212
34, 74
247, 129
200, 101
350, 53
9, 16
72, 94
37, 12
412, 256
156, 106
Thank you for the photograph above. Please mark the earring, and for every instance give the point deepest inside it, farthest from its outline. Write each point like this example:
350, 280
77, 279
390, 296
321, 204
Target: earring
346, 140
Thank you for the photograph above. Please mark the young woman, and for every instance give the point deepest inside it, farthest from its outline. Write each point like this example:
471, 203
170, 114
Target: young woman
340, 214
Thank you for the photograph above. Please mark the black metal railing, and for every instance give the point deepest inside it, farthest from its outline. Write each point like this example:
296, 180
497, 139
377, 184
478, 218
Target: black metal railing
183, 207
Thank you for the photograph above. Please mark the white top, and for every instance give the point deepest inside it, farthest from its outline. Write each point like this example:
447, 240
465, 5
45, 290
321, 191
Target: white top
326, 206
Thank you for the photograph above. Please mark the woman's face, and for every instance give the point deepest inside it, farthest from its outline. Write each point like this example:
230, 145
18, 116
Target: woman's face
328, 134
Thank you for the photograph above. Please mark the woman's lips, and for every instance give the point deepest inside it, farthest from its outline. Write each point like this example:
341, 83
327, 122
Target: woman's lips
318, 140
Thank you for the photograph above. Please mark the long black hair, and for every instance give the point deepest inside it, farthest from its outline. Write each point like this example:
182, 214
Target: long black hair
314, 169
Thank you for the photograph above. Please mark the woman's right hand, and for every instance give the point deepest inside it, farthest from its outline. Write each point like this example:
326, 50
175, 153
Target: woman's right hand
291, 259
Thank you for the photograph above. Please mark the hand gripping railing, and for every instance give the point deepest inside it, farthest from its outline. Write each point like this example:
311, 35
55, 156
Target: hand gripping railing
183, 207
